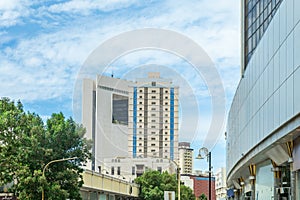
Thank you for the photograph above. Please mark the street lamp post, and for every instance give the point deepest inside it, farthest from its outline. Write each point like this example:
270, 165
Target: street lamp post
45, 167
203, 152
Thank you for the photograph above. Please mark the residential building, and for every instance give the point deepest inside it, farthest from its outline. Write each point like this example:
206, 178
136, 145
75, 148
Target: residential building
186, 158
153, 118
263, 145
220, 184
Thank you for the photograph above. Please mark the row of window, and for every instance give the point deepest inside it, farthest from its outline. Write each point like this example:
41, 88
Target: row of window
153, 97
153, 144
153, 133
153, 120
154, 127
153, 115
154, 103
154, 91
152, 150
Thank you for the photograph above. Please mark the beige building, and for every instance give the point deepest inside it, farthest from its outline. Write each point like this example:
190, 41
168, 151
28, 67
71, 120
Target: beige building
220, 184
153, 118
186, 155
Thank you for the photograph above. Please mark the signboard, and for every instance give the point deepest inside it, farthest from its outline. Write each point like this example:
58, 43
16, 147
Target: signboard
8, 198
169, 195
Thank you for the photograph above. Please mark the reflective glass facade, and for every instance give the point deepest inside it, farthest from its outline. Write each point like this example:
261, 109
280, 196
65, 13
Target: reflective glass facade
257, 16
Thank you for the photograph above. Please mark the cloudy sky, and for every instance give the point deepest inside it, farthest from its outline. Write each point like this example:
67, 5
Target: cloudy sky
44, 45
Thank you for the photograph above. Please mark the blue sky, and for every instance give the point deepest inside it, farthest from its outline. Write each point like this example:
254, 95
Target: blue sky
45, 43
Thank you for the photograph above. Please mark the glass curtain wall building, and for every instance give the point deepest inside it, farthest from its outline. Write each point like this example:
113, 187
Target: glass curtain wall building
263, 128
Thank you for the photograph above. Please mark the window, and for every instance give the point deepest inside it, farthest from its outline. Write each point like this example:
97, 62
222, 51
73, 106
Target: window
153, 115
153, 83
140, 144
166, 91
166, 103
166, 151
153, 103
166, 145
153, 127
141, 114
153, 120
152, 145
159, 169
153, 138
119, 171
153, 97
140, 120
166, 109
153, 108
140, 132
141, 126
152, 150
141, 90
141, 102
153, 91
141, 108
166, 121
166, 97
140, 150
166, 133
140, 138
153, 133
112, 171
166, 115
166, 126
166, 139
133, 170
141, 96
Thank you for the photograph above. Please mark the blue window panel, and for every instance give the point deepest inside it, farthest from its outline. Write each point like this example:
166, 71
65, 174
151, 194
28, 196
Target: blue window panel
134, 120
172, 124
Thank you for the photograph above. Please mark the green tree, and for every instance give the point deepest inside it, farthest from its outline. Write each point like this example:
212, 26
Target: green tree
202, 197
153, 184
27, 145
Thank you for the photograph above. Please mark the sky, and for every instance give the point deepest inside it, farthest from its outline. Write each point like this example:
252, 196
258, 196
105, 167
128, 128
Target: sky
44, 46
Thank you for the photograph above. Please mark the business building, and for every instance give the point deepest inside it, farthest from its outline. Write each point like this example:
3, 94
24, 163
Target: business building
186, 157
220, 184
105, 117
263, 148
153, 118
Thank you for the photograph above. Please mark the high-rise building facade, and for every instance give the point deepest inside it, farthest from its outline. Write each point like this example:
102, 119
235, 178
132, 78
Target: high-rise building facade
186, 157
153, 118
263, 123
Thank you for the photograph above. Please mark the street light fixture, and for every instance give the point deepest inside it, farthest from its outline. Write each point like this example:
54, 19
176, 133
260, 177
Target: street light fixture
45, 167
203, 152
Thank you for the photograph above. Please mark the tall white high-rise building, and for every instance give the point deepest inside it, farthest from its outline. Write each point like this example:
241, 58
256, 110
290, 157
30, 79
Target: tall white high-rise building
153, 118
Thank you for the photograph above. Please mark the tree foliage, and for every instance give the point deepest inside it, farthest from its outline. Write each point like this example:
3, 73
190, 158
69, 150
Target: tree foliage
27, 145
202, 197
153, 184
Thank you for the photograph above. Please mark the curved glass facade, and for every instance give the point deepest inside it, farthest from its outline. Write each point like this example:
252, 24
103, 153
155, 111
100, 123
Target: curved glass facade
264, 114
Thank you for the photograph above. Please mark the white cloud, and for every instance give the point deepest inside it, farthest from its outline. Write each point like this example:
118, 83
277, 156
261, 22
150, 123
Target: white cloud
86, 6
